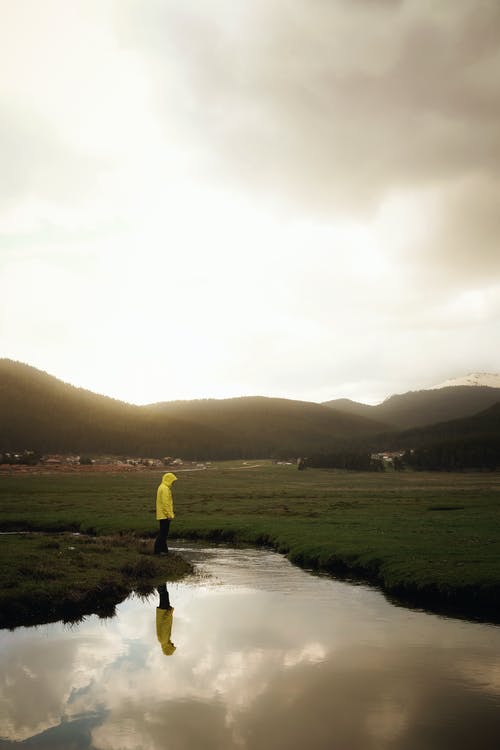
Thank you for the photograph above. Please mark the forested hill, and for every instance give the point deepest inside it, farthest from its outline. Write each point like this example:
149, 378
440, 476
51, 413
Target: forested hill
40, 412
482, 426
419, 408
471, 442
273, 423
458, 444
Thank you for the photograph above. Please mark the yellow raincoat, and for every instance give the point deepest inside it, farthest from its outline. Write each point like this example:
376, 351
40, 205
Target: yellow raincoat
164, 499
164, 620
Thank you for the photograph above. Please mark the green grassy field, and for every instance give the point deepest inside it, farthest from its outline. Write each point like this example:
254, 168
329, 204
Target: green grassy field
429, 539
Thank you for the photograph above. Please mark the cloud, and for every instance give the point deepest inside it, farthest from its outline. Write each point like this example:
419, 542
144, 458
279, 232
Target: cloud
332, 105
313, 186
37, 162
385, 112
467, 229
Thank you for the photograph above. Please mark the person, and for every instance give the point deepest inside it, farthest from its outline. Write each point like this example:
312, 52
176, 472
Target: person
164, 621
164, 512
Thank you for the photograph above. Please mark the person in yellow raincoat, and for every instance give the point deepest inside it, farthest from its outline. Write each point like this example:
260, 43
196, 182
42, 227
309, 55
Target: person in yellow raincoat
164, 621
164, 512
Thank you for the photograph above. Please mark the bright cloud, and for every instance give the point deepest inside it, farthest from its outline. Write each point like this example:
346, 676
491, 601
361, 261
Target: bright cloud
288, 199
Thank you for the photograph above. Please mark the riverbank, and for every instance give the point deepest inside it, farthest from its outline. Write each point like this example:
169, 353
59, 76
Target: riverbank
50, 577
419, 583
429, 540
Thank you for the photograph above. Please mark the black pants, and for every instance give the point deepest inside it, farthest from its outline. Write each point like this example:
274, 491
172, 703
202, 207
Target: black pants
164, 597
161, 539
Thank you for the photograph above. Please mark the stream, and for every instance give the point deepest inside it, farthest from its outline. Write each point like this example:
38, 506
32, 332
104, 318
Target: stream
252, 653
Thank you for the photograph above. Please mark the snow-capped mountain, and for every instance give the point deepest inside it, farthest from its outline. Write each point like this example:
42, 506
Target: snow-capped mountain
490, 379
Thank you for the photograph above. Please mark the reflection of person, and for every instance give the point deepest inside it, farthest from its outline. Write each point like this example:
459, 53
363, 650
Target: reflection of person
164, 512
164, 621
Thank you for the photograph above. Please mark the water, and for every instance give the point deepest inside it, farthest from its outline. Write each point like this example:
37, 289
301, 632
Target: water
266, 656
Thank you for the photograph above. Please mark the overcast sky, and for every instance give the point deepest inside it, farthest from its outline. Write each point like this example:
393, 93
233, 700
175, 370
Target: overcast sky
294, 198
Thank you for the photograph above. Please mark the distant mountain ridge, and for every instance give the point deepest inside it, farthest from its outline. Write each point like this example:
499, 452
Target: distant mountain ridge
488, 379
40, 412
459, 444
418, 408
467, 443
484, 424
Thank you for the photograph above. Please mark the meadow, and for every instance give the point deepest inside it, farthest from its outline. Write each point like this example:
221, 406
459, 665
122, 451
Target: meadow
427, 539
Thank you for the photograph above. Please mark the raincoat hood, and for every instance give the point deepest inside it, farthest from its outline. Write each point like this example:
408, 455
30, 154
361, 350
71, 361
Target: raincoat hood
169, 479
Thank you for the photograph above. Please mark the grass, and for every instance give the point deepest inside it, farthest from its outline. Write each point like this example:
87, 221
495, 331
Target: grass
425, 539
49, 577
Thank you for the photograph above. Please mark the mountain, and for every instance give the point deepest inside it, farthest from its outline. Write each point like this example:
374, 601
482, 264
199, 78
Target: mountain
488, 379
419, 408
347, 406
470, 442
271, 422
40, 412
484, 424
466, 443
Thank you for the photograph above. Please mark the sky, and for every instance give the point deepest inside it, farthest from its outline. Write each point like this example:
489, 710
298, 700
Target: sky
297, 198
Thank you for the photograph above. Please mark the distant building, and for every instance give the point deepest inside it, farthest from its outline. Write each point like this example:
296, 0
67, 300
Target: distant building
53, 460
388, 457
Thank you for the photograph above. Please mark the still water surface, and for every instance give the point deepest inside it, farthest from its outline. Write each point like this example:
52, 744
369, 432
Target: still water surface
266, 656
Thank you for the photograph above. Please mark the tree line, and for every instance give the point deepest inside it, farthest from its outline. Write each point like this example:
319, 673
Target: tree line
457, 455
460, 454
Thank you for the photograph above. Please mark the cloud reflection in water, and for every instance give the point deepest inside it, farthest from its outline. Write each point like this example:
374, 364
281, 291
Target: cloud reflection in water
314, 663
